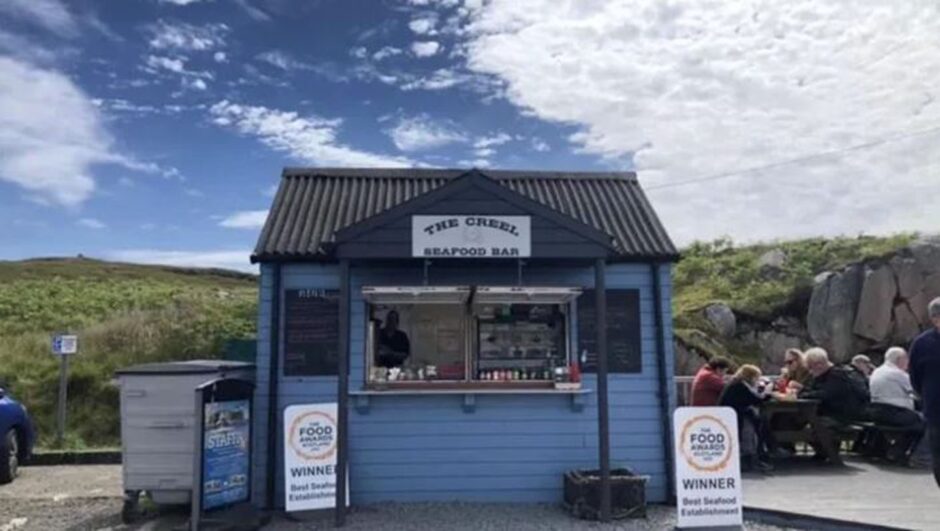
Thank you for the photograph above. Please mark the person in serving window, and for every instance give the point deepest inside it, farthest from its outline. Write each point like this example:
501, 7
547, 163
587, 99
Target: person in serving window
394, 347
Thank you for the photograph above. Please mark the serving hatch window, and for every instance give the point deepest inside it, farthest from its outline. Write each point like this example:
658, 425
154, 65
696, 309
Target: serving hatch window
440, 335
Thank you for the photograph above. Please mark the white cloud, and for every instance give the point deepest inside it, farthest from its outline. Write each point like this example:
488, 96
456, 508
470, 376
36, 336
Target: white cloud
50, 134
50, 14
195, 84
420, 132
91, 223
359, 52
288, 63
425, 48
179, 2
282, 60
187, 37
386, 52
177, 65
308, 138
685, 91
484, 146
248, 219
224, 259
253, 11
440, 79
220, 57
424, 25
540, 145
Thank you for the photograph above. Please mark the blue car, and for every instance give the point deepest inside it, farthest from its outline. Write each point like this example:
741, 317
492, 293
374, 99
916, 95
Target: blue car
16, 436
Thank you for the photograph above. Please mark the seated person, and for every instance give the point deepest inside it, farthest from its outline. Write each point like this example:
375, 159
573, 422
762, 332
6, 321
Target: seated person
393, 345
892, 402
842, 397
709, 382
741, 394
794, 374
862, 367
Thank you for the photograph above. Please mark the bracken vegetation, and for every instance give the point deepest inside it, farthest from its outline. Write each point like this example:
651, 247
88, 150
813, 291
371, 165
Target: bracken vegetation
124, 314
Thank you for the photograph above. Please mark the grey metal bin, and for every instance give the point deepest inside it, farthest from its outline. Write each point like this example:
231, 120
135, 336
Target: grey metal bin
159, 426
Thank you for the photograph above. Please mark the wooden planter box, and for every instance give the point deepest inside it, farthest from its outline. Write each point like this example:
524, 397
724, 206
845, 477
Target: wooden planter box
627, 494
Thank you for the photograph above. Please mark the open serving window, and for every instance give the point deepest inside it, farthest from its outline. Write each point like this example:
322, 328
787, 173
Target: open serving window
469, 337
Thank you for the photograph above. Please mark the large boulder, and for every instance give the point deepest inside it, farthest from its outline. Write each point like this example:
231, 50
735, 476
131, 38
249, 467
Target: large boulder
773, 345
771, 263
722, 318
932, 287
873, 317
906, 324
909, 276
832, 306
926, 253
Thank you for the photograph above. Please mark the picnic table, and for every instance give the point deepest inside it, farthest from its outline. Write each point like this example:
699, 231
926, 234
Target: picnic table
798, 421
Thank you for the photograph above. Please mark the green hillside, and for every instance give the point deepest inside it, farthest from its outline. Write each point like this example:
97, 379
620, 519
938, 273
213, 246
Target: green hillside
124, 314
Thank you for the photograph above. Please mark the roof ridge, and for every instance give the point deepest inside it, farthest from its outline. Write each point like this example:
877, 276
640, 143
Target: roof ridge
451, 173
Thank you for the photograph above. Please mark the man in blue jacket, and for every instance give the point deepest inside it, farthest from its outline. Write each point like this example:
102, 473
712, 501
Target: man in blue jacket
925, 378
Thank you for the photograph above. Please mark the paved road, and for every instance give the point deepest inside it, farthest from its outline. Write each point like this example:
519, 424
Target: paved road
859, 492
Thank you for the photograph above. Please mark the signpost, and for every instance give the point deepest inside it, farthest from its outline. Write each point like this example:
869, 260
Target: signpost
708, 469
63, 346
310, 444
222, 468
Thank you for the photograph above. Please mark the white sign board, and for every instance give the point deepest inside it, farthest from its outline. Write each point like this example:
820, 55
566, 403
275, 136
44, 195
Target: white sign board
708, 469
471, 236
64, 345
310, 446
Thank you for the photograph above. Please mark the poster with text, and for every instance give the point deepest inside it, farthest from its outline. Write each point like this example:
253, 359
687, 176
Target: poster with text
708, 470
310, 445
226, 453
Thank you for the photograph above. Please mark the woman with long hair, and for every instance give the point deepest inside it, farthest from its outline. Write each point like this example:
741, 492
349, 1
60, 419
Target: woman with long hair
742, 395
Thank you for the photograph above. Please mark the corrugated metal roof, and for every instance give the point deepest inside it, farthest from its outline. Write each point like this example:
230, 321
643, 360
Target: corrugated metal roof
313, 203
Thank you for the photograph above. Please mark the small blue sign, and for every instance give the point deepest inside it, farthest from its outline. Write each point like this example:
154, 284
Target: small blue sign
226, 453
64, 344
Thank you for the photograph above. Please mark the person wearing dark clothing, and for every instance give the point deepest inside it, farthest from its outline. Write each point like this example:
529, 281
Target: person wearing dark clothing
842, 393
925, 378
842, 397
394, 347
709, 382
741, 395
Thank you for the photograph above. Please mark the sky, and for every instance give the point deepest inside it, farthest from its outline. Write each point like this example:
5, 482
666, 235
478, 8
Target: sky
155, 130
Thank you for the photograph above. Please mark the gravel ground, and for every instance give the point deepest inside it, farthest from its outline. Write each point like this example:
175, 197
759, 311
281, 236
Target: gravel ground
88, 497
481, 517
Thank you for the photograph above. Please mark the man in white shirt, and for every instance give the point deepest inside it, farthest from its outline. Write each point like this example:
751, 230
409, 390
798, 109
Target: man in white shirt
892, 402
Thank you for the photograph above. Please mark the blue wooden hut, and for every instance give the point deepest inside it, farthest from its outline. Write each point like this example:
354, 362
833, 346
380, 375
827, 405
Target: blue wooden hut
503, 283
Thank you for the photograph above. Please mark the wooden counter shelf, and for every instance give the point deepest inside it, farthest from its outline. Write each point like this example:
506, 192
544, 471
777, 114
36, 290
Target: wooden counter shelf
469, 390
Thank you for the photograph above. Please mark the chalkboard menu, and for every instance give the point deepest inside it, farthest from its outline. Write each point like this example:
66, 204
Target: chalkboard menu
623, 331
311, 332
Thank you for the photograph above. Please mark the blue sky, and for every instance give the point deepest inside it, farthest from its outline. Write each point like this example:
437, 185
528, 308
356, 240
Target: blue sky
154, 130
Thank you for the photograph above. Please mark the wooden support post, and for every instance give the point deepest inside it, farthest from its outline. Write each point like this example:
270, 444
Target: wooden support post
342, 454
603, 420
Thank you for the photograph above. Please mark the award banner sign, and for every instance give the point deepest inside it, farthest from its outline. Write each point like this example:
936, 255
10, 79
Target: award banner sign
467, 236
310, 444
708, 469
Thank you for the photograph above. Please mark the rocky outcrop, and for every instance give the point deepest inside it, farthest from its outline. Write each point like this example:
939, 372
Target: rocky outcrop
771, 263
864, 307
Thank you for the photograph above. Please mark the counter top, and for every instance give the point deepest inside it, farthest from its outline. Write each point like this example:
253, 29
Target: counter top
363, 397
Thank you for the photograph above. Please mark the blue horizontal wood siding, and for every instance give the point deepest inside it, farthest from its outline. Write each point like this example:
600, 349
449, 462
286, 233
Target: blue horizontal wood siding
511, 447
